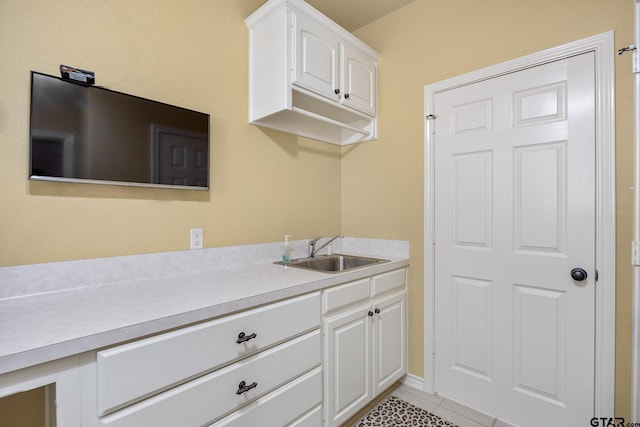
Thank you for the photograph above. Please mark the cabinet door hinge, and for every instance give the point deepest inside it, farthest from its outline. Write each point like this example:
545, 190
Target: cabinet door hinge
635, 257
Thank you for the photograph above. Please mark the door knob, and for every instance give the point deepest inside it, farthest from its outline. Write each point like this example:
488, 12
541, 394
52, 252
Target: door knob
578, 274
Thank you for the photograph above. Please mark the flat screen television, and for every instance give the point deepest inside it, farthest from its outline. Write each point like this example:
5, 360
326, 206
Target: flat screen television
90, 134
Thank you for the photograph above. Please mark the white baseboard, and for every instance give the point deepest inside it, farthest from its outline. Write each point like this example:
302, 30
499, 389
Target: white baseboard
414, 381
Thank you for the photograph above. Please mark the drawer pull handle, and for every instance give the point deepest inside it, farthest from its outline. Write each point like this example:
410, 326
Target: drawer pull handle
242, 337
243, 387
377, 311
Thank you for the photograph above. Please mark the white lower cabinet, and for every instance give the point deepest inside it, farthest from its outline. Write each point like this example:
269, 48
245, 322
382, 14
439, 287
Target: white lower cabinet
265, 363
202, 400
310, 360
298, 403
347, 363
364, 330
389, 341
131, 372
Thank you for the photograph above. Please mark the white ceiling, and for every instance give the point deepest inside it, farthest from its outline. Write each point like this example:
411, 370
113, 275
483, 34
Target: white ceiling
349, 14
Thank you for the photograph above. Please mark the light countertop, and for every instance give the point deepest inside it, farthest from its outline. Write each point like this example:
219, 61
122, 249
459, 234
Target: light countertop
40, 327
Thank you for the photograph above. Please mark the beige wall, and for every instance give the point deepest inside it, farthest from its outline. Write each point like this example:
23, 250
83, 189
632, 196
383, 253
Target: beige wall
428, 41
194, 54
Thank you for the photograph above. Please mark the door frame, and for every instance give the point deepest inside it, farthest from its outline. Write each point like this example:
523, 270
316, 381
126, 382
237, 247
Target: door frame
603, 47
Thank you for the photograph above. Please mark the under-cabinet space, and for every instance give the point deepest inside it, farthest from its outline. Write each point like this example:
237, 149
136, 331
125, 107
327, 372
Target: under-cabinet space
55, 385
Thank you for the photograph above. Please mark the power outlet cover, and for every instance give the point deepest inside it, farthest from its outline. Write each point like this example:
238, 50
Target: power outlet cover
197, 238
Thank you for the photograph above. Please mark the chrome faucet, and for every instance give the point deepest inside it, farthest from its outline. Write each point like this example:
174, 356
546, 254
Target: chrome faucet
313, 250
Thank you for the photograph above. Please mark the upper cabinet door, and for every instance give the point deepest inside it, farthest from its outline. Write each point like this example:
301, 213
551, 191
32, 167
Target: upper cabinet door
358, 80
316, 59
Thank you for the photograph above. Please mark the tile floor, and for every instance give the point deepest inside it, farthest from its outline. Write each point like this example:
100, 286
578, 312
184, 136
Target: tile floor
449, 410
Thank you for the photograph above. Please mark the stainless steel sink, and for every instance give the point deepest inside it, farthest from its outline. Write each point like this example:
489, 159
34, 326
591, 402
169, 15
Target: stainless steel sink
335, 263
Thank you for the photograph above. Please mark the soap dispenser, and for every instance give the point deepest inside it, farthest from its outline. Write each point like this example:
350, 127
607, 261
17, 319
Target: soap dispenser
286, 251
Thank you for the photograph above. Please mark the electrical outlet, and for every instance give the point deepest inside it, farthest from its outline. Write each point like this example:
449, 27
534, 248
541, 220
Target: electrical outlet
197, 238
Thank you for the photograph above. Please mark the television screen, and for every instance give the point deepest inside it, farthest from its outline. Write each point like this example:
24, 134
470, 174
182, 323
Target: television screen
90, 134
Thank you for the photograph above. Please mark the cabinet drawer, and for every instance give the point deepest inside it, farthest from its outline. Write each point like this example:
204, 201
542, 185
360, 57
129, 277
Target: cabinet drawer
294, 403
387, 282
343, 295
133, 371
312, 418
207, 398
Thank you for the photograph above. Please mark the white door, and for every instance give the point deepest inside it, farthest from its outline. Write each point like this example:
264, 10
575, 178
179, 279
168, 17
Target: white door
514, 214
179, 157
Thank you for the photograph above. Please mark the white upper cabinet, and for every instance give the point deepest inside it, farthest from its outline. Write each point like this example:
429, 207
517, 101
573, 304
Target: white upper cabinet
310, 77
317, 59
358, 80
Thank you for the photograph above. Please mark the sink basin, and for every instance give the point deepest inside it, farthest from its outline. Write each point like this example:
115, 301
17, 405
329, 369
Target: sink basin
335, 263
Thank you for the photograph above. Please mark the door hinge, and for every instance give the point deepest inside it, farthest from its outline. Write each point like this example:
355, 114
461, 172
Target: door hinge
635, 257
635, 58
429, 126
